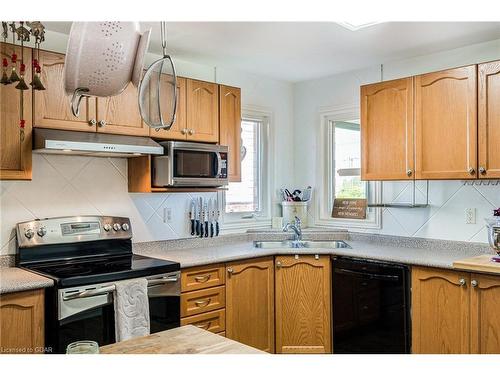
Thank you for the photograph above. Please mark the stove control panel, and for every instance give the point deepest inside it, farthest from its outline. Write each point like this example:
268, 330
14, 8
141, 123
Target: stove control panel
72, 229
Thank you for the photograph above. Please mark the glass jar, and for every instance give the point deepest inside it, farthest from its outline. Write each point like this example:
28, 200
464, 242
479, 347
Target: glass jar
83, 347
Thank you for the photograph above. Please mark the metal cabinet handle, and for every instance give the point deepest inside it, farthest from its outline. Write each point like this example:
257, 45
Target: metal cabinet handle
482, 170
184, 131
471, 171
92, 122
101, 123
204, 325
202, 303
278, 264
462, 282
474, 283
409, 172
229, 270
202, 279
191, 131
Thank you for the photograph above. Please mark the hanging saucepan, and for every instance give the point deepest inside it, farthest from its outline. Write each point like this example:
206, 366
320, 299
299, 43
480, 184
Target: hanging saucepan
158, 90
102, 58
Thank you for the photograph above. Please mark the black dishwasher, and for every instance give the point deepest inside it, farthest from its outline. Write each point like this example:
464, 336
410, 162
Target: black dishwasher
371, 307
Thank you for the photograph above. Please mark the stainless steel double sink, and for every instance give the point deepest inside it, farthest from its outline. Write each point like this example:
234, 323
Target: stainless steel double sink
301, 244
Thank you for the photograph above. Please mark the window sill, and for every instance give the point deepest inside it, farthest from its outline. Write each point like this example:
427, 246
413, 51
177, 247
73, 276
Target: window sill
242, 225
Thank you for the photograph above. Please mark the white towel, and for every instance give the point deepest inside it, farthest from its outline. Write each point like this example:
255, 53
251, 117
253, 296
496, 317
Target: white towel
131, 309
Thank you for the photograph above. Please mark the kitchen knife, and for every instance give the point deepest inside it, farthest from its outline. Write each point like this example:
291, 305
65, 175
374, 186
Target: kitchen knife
202, 217
198, 217
211, 209
217, 216
192, 217
207, 215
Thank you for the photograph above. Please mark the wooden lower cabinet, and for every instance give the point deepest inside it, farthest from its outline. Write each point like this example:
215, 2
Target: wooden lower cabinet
22, 322
440, 311
455, 312
303, 304
485, 307
250, 303
213, 321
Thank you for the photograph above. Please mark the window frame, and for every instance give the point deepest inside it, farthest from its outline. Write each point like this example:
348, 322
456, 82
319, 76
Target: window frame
326, 177
235, 222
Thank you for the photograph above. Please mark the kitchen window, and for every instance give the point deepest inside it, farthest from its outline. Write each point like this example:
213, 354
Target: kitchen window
247, 202
340, 156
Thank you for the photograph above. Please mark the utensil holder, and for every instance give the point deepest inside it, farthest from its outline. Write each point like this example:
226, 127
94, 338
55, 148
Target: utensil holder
293, 209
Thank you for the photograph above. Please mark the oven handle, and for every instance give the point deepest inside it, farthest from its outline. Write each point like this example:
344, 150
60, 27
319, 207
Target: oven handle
373, 276
111, 288
219, 164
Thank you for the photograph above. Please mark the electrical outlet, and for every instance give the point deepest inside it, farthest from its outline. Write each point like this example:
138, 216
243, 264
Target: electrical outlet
470, 216
167, 214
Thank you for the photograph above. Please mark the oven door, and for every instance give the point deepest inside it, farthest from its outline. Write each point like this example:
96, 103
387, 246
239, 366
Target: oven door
87, 312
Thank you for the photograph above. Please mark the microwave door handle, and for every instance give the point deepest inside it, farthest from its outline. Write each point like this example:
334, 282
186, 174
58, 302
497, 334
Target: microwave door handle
219, 164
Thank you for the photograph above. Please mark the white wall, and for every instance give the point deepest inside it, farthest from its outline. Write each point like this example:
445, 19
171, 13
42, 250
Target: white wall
448, 199
64, 185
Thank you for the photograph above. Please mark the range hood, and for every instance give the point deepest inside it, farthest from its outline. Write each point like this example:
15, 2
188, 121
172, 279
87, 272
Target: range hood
49, 141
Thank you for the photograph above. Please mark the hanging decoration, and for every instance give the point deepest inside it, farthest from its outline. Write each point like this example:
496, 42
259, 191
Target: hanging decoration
37, 30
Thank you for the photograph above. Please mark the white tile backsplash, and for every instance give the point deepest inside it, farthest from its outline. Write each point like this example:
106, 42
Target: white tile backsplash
77, 185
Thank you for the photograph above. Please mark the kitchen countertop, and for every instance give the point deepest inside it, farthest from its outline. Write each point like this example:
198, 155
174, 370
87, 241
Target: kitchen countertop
195, 252
183, 340
13, 279
430, 253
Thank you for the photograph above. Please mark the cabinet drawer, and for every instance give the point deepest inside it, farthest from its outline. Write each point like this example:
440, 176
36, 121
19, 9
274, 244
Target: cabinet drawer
213, 321
203, 300
202, 277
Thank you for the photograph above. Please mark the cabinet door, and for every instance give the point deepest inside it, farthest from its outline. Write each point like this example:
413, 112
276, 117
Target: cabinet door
15, 155
22, 322
440, 311
485, 306
52, 106
446, 124
250, 303
303, 304
489, 120
178, 130
120, 114
230, 128
202, 104
387, 130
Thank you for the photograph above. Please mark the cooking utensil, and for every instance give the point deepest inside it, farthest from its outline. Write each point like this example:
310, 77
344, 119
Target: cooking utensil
193, 217
297, 195
306, 195
158, 90
202, 217
207, 214
198, 217
217, 217
102, 58
211, 208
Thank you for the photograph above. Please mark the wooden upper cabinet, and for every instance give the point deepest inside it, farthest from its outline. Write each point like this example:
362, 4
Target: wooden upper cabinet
440, 311
120, 114
52, 106
230, 127
202, 102
489, 120
15, 150
22, 322
250, 303
178, 130
485, 305
303, 304
446, 124
387, 130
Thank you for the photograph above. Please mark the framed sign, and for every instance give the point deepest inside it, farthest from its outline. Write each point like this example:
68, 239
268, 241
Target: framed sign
349, 208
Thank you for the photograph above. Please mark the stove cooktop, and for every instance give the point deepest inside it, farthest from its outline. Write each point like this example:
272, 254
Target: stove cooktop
102, 269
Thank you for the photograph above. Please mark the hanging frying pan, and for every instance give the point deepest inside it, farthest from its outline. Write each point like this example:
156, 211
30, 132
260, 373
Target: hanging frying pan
158, 90
102, 58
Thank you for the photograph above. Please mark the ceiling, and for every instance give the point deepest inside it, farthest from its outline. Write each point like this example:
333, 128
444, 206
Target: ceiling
298, 51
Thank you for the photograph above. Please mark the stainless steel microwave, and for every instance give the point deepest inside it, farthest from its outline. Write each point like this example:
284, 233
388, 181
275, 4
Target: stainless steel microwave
189, 164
